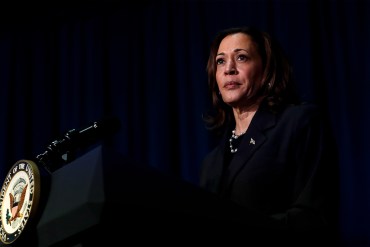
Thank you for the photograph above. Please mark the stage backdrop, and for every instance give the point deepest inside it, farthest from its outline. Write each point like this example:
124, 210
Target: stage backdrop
64, 65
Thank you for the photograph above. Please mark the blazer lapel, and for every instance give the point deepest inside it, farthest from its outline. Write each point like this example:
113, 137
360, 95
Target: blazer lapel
251, 142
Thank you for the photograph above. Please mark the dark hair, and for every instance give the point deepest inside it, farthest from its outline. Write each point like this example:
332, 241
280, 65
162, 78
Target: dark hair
277, 87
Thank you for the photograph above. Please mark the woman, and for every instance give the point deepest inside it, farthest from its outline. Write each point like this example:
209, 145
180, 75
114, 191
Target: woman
276, 155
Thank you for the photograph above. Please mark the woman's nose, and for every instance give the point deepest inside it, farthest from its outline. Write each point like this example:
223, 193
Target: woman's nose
230, 68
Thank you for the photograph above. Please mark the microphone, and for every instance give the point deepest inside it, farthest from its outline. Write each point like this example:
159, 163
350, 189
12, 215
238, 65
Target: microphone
62, 150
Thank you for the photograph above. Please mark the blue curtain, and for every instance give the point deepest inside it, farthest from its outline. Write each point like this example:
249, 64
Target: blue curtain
65, 66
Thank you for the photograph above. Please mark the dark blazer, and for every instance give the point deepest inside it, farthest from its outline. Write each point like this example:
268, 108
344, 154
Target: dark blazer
286, 167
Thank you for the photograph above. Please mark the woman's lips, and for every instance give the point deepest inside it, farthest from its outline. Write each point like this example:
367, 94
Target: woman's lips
231, 84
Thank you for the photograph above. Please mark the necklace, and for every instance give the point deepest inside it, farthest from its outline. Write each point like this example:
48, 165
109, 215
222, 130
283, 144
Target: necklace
234, 136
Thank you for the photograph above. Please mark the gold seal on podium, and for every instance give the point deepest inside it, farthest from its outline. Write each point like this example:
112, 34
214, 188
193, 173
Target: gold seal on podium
19, 199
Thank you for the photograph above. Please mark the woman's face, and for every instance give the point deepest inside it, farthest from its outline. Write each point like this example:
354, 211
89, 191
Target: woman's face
238, 66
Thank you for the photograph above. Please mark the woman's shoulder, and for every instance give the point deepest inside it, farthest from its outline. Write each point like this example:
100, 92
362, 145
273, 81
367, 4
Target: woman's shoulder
302, 113
303, 109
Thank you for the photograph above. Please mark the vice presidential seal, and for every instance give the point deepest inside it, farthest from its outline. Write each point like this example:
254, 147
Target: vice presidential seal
18, 199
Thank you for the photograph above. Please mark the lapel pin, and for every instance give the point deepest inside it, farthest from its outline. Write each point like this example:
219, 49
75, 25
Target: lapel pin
252, 141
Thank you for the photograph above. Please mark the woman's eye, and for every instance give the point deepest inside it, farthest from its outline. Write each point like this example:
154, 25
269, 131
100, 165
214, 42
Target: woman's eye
219, 61
242, 57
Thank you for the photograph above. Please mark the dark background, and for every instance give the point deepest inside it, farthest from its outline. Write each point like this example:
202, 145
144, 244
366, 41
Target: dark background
66, 64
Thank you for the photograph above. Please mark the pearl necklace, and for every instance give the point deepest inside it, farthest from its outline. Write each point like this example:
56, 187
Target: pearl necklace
234, 136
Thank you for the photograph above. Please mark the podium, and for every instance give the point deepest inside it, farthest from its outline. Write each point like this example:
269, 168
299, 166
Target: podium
105, 199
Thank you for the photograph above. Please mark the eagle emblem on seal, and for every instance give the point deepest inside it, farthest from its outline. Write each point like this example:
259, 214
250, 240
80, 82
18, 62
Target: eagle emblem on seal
16, 200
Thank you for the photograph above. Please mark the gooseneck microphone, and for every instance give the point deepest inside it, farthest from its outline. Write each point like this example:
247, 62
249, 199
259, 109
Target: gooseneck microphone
62, 150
